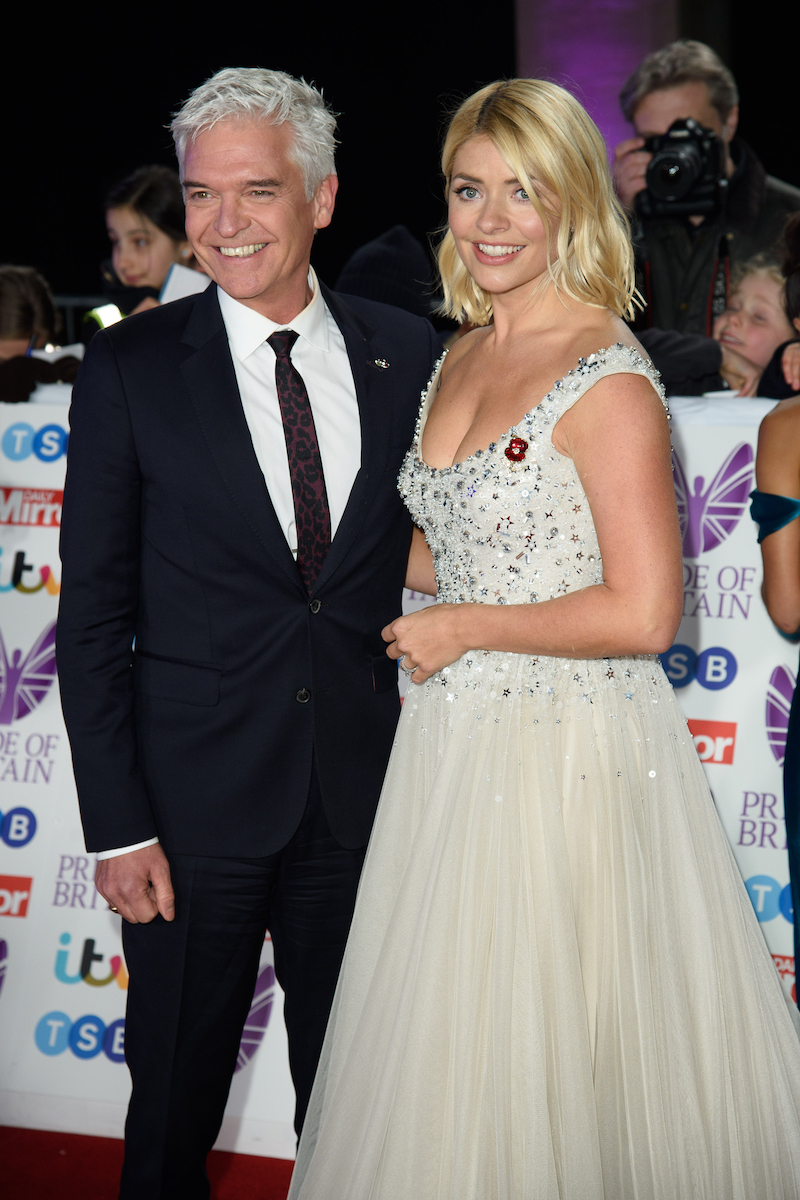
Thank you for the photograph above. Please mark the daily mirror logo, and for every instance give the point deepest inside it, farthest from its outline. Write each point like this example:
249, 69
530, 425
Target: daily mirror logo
30, 506
779, 701
710, 514
24, 682
15, 892
715, 740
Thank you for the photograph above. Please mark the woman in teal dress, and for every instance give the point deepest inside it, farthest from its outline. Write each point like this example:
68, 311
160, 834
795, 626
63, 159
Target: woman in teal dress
776, 507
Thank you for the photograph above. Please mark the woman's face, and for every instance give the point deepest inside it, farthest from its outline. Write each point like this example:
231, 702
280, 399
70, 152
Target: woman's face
141, 252
755, 323
499, 234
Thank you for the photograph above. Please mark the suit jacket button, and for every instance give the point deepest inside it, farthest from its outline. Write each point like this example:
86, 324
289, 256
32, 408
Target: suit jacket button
303, 696
315, 606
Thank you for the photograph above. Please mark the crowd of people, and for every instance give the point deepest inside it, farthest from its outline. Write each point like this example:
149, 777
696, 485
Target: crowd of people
490, 989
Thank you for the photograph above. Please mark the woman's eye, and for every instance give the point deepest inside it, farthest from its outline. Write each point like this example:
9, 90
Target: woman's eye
467, 192
523, 195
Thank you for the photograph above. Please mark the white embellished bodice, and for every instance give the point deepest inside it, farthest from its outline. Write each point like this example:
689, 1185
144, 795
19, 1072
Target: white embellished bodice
515, 532
506, 532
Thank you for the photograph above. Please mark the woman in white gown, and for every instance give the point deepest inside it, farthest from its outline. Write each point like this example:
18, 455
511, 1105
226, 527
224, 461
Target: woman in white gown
555, 985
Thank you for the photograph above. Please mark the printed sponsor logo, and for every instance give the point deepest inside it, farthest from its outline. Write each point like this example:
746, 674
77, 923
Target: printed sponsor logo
19, 581
770, 898
785, 965
708, 515
30, 506
86, 1038
15, 891
47, 443
75, 884
17, 827
714, 668
759, 824
779, 701
258, 1017
715, 740
3, 962
88, 957
24, 682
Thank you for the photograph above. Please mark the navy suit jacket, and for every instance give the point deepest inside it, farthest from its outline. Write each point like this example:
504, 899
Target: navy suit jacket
197, 675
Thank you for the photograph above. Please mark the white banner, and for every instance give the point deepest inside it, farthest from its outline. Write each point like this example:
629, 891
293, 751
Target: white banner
63, 979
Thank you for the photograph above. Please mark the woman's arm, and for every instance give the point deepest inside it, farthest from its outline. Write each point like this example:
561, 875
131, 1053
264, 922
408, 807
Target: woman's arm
618, 438
778, 472
420, 575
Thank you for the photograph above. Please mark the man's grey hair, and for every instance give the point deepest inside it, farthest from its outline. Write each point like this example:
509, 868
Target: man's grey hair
260, 94
681, 62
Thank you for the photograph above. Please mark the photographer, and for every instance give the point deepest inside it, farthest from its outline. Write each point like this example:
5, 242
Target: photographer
706, 202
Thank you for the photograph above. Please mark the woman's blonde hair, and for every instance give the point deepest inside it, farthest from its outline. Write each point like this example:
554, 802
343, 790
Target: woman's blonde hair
546, 138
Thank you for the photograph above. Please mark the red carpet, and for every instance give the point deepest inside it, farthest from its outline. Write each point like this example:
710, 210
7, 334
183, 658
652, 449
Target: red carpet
38, 1165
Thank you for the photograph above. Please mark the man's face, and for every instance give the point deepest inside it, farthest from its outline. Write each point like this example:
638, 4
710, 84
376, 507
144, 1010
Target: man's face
658, 110
247, 217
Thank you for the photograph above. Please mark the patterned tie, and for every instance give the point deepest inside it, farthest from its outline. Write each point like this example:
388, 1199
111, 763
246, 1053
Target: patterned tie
312, 516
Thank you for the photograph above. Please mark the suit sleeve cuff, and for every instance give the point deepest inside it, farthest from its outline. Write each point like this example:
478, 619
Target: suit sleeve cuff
101, 854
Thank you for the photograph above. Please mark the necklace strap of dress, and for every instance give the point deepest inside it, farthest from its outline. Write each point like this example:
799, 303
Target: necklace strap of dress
771, 512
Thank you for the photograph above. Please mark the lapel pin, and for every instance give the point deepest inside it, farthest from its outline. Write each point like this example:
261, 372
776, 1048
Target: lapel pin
381, 363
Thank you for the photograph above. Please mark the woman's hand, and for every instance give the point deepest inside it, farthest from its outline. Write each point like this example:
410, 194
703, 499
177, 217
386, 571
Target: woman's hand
428, 640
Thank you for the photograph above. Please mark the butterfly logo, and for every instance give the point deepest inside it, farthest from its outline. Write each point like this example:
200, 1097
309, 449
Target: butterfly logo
779, 701
708, 517
258, 1017
24, 683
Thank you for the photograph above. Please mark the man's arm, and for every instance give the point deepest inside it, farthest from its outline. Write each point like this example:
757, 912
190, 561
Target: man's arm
100, 548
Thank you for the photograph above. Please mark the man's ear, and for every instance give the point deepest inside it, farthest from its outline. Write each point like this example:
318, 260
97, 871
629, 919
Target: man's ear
729, 124
325, 201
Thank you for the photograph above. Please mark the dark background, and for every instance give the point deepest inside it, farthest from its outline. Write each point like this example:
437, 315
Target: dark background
85, 100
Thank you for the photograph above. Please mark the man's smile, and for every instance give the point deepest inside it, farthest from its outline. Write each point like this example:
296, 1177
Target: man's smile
240, 251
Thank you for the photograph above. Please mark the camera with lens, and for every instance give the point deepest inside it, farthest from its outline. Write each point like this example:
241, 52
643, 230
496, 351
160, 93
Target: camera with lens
686, 175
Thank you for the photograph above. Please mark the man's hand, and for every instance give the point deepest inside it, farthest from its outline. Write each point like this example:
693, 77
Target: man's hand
738, 372
630, 165
138, 884
790, 363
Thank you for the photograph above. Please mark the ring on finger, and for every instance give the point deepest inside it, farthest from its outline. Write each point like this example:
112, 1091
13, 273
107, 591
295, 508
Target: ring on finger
407, 671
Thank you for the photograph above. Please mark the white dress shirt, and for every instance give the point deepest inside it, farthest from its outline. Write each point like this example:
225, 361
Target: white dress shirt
320, 355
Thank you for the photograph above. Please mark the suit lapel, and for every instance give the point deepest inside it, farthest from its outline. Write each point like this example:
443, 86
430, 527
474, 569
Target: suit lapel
374, 387
211, 381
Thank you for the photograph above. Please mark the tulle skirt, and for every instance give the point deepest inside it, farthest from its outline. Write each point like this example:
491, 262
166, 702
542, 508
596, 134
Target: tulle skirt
555, 984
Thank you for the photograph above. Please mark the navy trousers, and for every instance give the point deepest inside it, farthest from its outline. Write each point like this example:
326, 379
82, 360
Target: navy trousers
191, 984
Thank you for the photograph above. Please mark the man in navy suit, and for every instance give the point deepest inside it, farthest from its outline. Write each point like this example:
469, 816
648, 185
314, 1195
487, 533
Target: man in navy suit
233, 543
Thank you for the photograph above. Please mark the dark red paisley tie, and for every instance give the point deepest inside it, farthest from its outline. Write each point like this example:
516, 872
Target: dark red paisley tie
312, 516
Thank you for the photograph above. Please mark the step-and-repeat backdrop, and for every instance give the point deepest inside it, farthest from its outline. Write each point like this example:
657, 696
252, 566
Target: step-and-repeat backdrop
63, 979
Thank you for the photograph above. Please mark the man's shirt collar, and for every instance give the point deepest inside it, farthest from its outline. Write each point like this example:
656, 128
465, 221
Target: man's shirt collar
248, 329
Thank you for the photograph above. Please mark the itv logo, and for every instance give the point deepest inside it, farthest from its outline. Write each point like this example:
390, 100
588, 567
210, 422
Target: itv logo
88, 957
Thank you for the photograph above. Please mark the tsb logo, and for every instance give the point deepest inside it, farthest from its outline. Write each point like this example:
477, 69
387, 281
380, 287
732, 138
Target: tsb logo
17, 827
715, 740
714, 668
15, 892
86, 1037
22, 440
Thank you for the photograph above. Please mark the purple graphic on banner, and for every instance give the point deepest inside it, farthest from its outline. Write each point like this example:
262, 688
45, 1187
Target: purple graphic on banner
258, 1018
3, 962
779, 701
708, 517
24, 684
